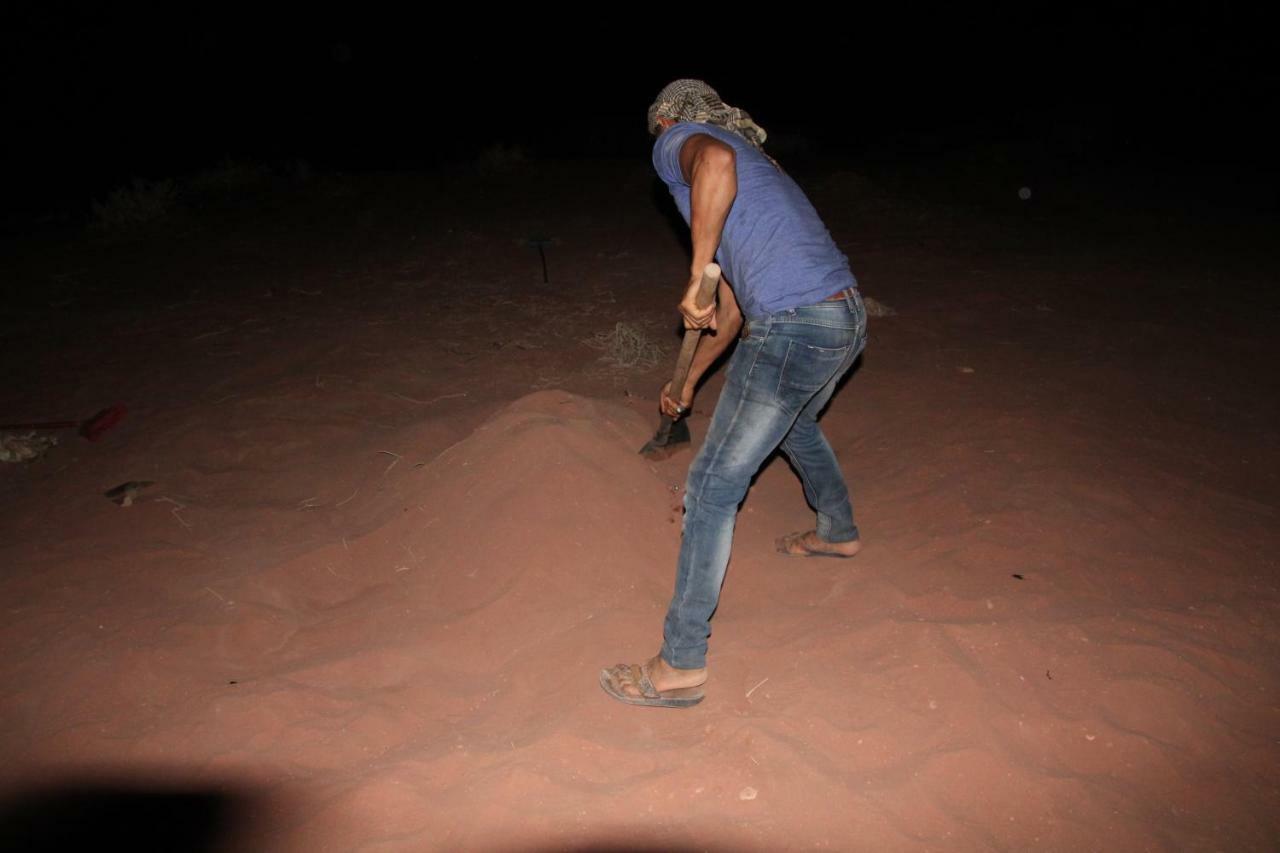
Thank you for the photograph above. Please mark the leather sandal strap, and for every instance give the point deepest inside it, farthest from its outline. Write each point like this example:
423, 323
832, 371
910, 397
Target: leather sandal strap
645, 685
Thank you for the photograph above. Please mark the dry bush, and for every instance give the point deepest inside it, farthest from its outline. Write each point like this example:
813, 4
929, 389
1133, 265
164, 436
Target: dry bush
134, 207
627, 346
875, 308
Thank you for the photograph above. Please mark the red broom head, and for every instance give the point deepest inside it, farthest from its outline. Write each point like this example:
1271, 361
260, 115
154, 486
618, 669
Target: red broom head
93, 428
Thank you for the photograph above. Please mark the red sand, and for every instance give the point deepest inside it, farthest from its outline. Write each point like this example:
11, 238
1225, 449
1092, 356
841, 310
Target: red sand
387, 554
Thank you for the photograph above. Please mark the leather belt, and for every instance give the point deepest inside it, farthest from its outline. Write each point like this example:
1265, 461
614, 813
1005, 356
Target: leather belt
835, 297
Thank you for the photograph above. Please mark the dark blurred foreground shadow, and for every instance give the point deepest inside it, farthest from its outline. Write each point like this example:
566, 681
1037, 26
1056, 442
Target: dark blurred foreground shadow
624, 847
122, 816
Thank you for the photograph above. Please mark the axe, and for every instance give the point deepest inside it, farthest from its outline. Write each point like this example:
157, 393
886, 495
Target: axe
674, 432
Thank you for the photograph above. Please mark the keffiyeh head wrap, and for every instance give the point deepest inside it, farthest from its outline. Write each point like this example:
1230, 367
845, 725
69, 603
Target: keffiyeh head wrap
694, 100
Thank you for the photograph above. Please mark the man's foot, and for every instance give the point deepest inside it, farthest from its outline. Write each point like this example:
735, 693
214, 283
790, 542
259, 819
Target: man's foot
654, 683
808, 544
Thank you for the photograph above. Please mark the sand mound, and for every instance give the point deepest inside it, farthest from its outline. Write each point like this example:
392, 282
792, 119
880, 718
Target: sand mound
542, 518
471, 618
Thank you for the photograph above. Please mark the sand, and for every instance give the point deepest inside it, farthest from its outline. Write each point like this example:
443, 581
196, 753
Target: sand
399, 523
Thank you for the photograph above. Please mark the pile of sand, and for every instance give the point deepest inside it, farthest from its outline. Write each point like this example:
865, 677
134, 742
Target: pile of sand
445, 651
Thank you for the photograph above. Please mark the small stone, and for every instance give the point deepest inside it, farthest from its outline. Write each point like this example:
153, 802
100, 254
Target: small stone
748, 793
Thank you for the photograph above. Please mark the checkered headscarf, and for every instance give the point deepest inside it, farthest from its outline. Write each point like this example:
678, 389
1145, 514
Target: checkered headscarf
693, 100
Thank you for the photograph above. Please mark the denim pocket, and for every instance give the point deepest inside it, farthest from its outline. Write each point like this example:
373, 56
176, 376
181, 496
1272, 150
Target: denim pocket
808, 368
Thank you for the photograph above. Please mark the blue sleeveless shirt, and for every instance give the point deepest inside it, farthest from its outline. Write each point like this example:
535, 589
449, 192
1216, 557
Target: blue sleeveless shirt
774, 249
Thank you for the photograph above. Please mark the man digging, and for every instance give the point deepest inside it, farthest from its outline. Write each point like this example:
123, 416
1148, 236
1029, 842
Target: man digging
795, 306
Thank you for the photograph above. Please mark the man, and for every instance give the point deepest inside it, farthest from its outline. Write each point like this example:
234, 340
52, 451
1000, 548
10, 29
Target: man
789, 292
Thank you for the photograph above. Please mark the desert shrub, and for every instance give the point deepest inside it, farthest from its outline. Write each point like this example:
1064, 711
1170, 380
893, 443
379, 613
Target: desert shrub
876, 308
626, 345
140, 204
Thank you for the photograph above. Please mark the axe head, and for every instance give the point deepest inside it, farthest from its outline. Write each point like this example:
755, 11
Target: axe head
670, 437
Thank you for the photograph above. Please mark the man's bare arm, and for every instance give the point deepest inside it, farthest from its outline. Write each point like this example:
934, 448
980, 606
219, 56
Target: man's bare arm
710, 347
710, 167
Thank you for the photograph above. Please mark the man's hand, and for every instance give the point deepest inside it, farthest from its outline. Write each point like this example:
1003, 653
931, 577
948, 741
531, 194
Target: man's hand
695, 317
670, 407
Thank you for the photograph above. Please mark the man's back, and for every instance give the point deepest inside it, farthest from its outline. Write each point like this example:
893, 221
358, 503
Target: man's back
774, 248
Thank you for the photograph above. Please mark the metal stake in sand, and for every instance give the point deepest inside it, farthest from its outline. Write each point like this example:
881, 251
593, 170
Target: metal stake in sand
541, 243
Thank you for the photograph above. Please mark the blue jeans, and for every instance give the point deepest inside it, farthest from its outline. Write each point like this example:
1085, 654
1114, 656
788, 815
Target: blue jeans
779, 379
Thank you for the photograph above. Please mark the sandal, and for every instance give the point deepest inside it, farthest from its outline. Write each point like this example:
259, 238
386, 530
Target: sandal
616, 678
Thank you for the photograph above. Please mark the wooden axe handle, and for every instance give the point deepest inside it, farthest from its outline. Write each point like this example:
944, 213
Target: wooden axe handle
706, 294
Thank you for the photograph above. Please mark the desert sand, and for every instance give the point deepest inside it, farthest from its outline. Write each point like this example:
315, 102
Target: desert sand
398, 523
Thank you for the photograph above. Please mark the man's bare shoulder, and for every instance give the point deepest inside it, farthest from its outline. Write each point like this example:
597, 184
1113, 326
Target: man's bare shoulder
700, 144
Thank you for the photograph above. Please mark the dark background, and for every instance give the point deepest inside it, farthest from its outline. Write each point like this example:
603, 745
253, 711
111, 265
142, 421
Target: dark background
95, 96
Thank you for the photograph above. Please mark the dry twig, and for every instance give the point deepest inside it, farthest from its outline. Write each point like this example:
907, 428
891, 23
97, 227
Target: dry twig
397, 458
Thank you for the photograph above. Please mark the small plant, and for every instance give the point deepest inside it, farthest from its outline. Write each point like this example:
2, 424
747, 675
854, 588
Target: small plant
626, 346
130, 208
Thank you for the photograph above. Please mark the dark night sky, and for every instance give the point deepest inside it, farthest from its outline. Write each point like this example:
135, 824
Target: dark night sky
92, 97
